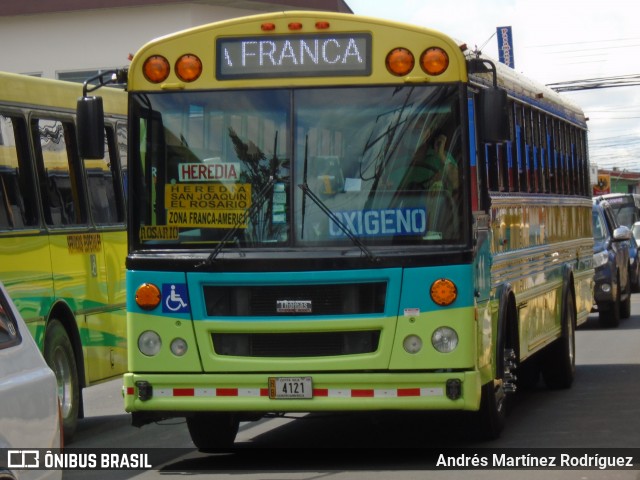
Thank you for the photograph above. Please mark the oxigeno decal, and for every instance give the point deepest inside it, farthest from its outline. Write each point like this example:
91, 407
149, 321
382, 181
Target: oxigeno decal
389, 221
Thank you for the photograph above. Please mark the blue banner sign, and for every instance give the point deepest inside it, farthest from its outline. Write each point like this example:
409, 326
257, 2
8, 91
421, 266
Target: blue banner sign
505, 46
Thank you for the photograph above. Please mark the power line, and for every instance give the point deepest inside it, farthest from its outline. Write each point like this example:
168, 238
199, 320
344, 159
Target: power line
595, 83
585, 42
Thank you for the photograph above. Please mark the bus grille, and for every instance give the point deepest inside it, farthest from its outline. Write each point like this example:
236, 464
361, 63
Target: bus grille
290, 300
315, 344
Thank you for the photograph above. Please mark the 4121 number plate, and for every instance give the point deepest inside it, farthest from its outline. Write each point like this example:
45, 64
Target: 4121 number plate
290, 388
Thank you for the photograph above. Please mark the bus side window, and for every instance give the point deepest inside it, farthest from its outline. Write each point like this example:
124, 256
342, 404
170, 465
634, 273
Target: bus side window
104, 188
17, 202
61, 195
121, 138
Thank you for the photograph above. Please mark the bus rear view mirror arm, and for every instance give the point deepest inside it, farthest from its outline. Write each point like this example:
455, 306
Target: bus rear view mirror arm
90, 113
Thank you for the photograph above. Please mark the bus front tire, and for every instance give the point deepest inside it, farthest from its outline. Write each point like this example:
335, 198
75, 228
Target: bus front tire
559, 360
58, 353
211, 432
492, 416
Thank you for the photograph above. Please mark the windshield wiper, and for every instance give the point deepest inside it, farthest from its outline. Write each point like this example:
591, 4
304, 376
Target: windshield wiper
261, 197
339, 223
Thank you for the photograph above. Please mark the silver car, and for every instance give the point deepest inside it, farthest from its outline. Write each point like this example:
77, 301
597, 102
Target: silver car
29, 408
635, 229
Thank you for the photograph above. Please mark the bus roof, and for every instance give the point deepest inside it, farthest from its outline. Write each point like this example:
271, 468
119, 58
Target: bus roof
532, 92
34, 91
201, 41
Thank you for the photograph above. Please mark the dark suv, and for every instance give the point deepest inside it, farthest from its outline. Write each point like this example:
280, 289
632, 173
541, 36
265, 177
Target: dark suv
611, 262
626, 209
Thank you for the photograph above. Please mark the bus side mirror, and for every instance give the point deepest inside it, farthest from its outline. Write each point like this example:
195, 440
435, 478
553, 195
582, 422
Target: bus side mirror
90, 125
494, 115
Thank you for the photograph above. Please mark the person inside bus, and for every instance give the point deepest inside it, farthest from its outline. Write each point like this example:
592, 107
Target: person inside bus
432, 167
432, 174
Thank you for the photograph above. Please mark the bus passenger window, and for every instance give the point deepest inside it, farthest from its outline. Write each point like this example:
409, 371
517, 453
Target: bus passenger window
58, 181
121, 138
103, 187
17, 203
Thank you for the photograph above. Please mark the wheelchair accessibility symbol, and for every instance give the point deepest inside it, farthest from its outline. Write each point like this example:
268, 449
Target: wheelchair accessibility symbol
174, 298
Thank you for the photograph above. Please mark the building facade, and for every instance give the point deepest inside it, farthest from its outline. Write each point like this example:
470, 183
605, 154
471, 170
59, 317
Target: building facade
74, 39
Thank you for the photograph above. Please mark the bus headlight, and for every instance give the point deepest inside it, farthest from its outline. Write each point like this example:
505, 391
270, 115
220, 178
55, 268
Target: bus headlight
412, 344
444, 339
149, 343
178, 347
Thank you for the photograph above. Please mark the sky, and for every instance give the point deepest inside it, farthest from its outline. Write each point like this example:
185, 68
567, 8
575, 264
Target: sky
553, 41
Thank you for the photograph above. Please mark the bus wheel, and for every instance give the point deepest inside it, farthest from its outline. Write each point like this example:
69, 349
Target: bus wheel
492, 416
213, 431
58, 354
559, 359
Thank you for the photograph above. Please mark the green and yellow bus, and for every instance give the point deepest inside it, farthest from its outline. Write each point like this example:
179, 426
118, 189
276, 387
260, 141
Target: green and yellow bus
62, 231
337, 213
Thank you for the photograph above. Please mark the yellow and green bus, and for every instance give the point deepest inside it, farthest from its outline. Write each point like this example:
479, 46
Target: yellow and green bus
62, 231
336, 213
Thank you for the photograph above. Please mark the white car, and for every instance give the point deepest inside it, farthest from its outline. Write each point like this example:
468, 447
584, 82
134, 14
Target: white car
29, 408
635, 229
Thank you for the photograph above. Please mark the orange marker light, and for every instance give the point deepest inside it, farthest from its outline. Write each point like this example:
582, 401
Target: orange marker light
400, 61
156, 69
188, 68
322, 25
443, 292
295, 26
268, 27
148, 296
434, 61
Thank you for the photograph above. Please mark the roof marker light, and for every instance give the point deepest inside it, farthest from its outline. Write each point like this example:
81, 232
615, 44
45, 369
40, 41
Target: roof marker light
268, 27
188, 68
400, 61
434, 61
295, 26
322, 25
156, 69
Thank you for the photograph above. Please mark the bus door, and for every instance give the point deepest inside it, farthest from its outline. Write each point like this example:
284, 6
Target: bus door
76, 249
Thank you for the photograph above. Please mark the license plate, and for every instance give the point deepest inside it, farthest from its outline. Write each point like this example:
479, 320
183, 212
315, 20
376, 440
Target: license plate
290, 387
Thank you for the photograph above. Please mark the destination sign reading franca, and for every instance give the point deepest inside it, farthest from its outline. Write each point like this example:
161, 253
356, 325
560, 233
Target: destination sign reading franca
293, 56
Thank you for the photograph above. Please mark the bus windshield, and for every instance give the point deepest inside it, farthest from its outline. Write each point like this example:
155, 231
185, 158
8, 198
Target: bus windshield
299, 167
